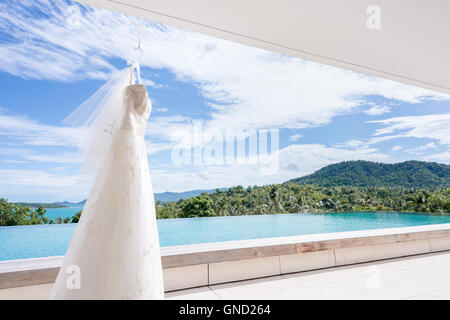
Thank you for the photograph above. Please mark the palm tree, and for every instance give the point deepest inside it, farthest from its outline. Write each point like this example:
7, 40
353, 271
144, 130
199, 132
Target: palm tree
274, 201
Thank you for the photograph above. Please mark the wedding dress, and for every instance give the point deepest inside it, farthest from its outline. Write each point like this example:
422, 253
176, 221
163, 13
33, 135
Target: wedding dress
114, 252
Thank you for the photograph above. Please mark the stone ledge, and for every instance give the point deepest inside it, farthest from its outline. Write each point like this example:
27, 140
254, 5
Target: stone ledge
259, 248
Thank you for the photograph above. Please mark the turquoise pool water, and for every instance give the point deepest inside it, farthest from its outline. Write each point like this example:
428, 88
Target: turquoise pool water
68, 212
23, 242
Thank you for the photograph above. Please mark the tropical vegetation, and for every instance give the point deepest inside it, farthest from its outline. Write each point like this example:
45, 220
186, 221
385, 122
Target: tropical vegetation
290, 198
13, 214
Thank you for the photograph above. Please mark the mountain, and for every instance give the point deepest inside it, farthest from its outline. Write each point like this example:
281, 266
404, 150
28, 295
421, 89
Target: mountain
163, 197
175, 196
408, 174
67, 203
33, 205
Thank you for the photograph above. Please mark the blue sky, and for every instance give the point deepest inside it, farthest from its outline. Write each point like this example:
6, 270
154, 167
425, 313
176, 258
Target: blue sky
55, 54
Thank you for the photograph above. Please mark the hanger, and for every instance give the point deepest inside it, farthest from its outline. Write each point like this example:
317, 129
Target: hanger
134, 64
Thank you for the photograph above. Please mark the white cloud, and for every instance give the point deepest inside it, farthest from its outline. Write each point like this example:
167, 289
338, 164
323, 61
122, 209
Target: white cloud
295, 137
248, 87
28, 155
15, 161
160, 109
33, 133
354, 143
421, 149
32, 141
295, 161
433, 126
152, 84
442, 157
430, 145
35, 185
377, 110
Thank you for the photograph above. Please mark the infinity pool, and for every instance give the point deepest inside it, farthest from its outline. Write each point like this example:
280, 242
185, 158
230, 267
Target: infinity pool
23, 242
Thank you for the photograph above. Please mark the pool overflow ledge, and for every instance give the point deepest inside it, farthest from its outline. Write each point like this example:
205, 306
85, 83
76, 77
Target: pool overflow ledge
204, 264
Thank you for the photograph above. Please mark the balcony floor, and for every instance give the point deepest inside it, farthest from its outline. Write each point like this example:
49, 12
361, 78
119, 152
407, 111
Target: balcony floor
418, 277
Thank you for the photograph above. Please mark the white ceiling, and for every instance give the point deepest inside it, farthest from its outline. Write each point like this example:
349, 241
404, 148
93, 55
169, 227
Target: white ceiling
412, 45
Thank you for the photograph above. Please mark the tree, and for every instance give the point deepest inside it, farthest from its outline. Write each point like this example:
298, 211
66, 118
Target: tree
275, 204
13, 214
7, 217
166, 210
76, 217
199, 206
40, 212
221, 205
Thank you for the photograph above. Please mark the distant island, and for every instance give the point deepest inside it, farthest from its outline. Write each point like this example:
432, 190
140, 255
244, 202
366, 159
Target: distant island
410, 186
34, 205
53, 205
162, 197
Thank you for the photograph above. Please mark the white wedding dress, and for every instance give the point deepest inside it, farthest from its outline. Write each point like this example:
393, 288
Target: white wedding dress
114, 252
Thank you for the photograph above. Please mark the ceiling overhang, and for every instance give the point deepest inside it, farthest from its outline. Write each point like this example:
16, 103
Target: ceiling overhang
411, 46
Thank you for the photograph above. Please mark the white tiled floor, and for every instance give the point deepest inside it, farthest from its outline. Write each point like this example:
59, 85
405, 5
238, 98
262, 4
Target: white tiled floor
417, 277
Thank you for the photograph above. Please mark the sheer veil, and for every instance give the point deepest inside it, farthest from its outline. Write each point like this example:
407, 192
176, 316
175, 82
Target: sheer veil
99, 118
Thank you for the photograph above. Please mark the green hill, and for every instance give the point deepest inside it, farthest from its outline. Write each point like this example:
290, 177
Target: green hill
408, 174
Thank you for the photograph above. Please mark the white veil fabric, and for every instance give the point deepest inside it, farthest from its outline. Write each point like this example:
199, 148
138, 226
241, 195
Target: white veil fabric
99, 119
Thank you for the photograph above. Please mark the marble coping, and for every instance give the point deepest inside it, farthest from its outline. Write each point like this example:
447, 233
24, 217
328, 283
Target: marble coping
178, 256
205, 253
